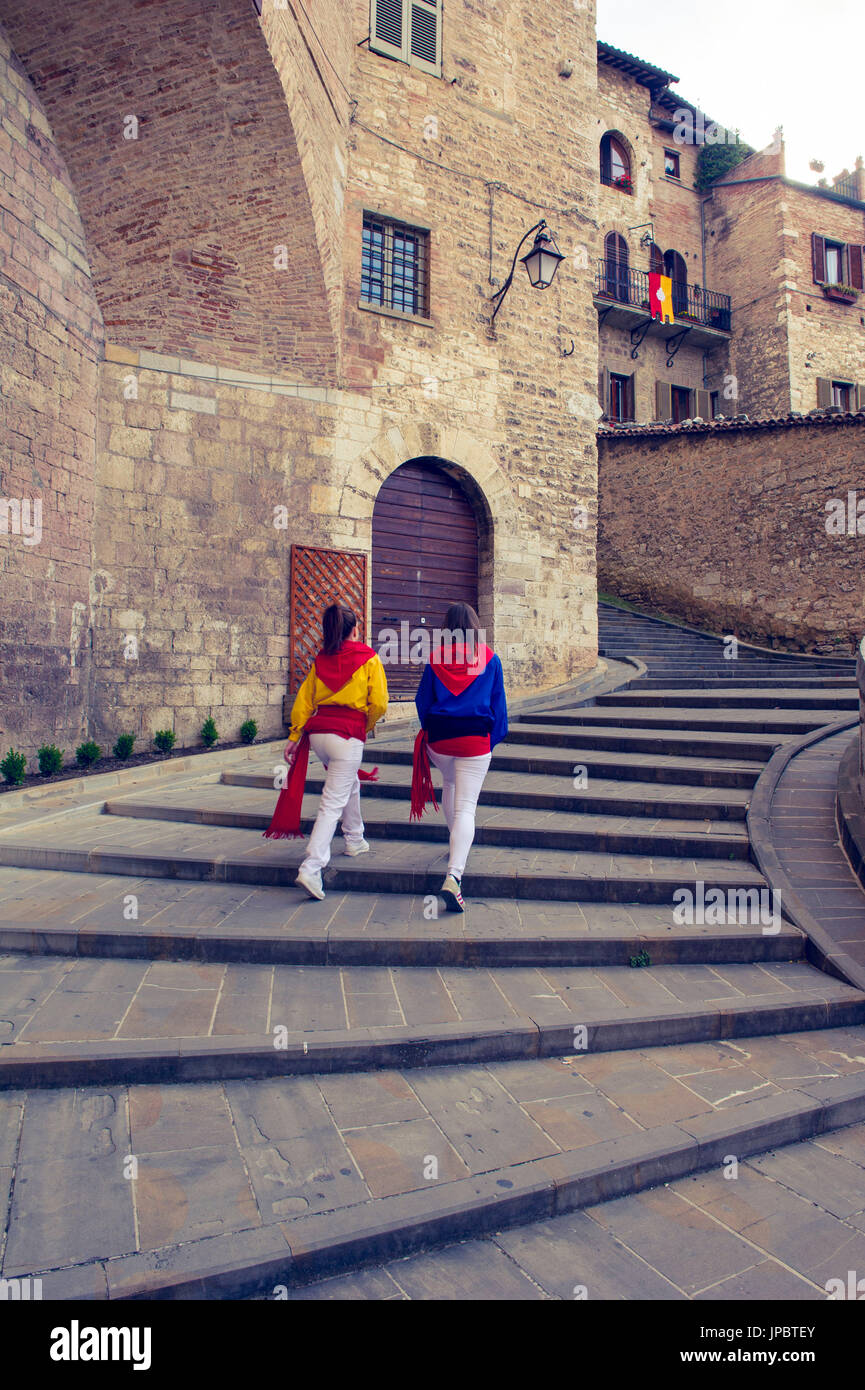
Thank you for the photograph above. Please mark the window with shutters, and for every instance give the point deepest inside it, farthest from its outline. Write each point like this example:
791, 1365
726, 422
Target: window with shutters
842, 395
616, 267
681, 404
394, 267
615, 164
408, 30
837, 262
621, 400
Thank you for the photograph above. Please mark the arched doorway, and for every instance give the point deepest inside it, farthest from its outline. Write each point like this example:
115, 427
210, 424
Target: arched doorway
424, 557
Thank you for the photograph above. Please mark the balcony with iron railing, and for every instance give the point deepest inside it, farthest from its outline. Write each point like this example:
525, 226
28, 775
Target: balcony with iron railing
622, 296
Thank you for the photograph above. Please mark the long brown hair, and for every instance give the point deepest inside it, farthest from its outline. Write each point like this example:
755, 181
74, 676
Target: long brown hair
337, 623
461, 617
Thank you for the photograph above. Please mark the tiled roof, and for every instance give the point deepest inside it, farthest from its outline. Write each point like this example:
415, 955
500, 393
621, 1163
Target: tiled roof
736, 424
644, 72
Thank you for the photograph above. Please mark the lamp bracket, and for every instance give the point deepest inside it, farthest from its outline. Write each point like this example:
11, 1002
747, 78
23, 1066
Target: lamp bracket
498, 298
637, 336
674, 342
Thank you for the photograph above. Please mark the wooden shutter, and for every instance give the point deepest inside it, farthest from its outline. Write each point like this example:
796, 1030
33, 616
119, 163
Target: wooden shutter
854, 262
824, 393
606, 160
425, 35
630, 397
663, 400
604, 389
818, 258
387, 28
704, 405
859, 396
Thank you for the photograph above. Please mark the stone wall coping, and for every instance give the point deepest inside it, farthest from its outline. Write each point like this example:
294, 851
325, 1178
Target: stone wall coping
735, 424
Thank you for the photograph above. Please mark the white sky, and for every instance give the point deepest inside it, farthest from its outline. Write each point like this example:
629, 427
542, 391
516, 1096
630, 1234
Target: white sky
755, 64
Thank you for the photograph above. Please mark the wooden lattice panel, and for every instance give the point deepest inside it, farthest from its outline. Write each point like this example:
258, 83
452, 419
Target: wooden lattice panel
320, 577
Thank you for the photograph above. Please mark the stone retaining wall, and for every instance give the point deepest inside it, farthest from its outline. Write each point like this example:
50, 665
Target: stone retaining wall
754, 528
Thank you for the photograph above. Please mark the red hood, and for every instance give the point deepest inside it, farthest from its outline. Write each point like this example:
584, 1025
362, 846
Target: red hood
337, 670
456, 672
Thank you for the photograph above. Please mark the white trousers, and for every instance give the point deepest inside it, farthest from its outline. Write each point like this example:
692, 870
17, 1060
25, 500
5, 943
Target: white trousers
340, 796
462, 779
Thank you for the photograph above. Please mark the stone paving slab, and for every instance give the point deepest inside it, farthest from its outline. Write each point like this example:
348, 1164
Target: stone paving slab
46, 1000
319, 1163
251, 809
100, 915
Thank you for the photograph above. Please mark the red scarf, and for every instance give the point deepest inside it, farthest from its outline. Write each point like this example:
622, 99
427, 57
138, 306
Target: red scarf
333, 671
422, 789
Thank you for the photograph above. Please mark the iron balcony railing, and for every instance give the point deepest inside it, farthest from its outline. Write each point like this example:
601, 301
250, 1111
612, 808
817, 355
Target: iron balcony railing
691, 303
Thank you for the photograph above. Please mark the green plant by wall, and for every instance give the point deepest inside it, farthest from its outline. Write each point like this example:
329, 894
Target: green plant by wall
715, 160
123, 746
641, 961
50, 759
248, 731
164, 740
87, 753
13, 766
209, 734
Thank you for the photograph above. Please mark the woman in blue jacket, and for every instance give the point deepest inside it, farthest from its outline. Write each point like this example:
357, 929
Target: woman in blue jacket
463, 714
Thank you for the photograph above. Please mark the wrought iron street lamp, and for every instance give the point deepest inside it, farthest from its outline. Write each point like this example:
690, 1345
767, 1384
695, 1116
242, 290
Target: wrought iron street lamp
541, 263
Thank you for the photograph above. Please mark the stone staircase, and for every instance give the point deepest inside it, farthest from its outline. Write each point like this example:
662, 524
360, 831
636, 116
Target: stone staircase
285, 1071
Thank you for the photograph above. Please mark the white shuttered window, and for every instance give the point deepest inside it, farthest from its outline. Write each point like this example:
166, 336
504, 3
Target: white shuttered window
410, 30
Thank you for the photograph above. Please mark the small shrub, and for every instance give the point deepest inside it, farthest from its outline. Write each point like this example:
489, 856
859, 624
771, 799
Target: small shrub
87, 753
164, 740
209, 733
641, 961
50, 759
123, 746
248, 731
13, 766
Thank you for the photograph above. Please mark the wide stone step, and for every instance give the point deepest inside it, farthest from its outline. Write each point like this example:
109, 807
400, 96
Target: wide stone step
605, 796
631, 1247
250, 809
82, 915
735, 697
829, 684
94, 843
640, 767
290, 1179
565, 730
683, 721
109, 1022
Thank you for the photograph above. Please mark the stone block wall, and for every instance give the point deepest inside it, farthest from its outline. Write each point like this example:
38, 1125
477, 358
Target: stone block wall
726, 527
50, 345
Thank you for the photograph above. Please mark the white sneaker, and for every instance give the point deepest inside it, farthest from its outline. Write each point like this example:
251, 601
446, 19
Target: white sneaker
362, 847
311, 881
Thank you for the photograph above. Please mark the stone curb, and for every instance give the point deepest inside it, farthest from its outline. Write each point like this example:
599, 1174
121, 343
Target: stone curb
294, 1253
849, 812
519, 1038
822, 950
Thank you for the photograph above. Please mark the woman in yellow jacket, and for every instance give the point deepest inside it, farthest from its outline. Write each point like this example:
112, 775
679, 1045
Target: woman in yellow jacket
340, 702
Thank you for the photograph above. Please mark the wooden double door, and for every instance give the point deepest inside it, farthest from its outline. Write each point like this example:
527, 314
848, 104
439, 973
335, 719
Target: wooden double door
424, 557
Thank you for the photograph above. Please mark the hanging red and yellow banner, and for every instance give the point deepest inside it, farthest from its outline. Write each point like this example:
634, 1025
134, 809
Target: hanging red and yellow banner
661, 297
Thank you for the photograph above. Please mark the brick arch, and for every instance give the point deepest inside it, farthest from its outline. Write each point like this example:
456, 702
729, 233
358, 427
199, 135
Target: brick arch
470, 463
456, 450
182, 223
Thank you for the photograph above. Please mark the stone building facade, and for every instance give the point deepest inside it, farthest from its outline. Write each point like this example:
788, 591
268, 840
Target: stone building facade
757, 328
198, 378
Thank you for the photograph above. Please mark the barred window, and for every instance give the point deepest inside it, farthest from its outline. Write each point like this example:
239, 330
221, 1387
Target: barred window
395, 266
